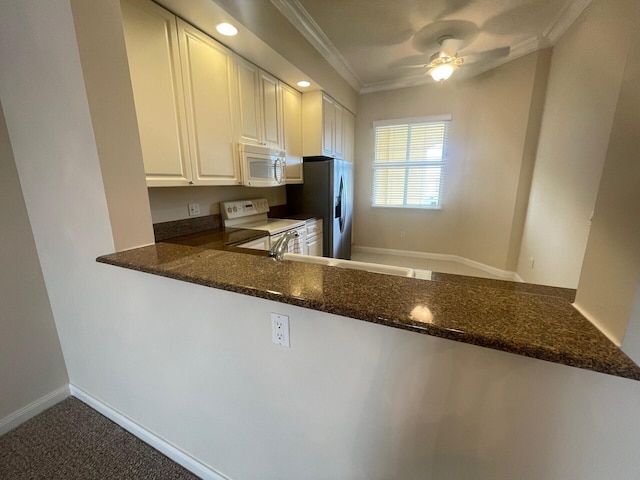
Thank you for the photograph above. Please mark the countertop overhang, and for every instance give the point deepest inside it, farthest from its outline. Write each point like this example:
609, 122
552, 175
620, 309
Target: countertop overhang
524, 319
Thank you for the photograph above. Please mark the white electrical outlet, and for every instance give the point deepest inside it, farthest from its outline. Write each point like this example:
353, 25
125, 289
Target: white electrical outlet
194, 209
280, 329
402, 234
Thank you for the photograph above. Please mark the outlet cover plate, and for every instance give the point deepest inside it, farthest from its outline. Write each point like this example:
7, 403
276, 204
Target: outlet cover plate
194, 209
280, 329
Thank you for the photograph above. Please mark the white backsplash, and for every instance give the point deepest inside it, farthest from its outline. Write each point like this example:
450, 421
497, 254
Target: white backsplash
171, 203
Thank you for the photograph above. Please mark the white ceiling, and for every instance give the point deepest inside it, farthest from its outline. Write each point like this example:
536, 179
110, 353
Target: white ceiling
369, 41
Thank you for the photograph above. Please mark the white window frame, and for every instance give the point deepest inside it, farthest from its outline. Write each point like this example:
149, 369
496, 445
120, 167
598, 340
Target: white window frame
407, 163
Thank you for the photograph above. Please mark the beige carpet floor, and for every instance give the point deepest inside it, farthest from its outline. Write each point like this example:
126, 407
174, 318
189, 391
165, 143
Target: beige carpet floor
72, 441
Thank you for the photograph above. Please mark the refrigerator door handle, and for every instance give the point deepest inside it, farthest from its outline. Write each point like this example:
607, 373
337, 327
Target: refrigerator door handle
341, 207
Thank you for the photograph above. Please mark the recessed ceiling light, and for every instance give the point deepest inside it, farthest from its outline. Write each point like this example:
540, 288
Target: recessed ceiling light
227, 29
303, 83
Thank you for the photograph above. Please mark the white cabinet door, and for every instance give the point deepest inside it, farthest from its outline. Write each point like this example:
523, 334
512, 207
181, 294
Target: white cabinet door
292, 132
328, 120
271, 115
259, 244
338, 131
325, 125
260, 121
152, 49
314, 246
348, 138
249, 121
209, 89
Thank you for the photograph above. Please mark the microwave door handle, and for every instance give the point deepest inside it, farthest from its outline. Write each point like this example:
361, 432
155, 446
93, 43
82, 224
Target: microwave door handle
283, 169
278, 164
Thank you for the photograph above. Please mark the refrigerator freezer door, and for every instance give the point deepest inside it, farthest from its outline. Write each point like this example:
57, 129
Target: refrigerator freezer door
321, 194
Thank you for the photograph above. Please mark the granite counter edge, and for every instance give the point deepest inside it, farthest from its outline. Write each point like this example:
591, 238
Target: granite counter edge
626, 367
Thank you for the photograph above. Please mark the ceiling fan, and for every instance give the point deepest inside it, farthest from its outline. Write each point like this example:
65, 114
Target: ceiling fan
444, 62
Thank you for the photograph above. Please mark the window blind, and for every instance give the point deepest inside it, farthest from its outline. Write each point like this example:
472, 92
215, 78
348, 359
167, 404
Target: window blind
409, 163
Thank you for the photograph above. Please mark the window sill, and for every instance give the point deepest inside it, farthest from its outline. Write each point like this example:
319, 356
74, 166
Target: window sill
408, 207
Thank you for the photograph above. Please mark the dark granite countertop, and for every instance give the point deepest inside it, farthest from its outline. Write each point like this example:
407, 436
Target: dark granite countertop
282, 211
226, 239
303, 216
529, 320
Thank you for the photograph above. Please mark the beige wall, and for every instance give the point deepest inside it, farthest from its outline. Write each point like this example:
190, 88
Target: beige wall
31, 362
488, 169
611, 268
171, 203
196, 365
578, 114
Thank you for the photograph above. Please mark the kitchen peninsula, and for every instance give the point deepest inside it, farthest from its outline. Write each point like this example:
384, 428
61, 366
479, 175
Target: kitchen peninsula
529, 320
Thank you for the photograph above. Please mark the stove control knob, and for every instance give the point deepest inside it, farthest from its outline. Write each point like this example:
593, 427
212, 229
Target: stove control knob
229, 209
235, 209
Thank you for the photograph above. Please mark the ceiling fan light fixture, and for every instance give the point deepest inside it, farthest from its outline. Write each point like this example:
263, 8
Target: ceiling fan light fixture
442, 72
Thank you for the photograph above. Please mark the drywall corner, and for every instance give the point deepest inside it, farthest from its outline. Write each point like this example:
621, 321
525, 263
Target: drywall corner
611, 266
103, 56
529, 151
31, 361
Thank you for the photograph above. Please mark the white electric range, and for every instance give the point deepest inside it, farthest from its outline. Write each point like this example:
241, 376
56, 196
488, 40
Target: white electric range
252, 215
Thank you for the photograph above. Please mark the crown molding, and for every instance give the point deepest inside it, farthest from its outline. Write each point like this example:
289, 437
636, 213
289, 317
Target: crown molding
568, 14
306, 25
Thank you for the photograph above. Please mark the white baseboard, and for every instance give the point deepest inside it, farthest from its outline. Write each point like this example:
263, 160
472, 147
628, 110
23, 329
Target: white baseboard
503, 274
34, 408
174, 453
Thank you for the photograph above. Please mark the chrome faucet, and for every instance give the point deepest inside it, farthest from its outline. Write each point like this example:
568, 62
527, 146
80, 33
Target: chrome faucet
281, 246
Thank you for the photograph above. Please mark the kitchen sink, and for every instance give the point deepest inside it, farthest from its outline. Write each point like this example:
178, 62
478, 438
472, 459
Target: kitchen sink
336, 262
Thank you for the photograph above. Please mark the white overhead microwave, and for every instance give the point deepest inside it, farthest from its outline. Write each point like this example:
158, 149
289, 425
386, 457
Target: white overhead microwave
262, 166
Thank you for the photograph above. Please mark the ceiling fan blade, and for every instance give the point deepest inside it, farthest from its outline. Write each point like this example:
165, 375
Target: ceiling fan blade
487, 55
413, 61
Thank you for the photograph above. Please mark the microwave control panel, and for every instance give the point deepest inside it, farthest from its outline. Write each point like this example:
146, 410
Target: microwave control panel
243, 208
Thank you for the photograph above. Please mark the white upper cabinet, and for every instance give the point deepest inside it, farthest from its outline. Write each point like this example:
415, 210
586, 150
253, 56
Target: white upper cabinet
328, 121
292, 132
271, 109
323, 126
209, 89
259, 112
154, 62
338, 132
349, 129
184, 90
196, 100
249, 121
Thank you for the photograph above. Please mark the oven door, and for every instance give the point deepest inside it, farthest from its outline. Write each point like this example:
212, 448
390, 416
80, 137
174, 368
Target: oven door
262, 167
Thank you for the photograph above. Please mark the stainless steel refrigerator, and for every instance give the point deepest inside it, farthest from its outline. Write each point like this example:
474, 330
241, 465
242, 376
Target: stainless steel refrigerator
327, 191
